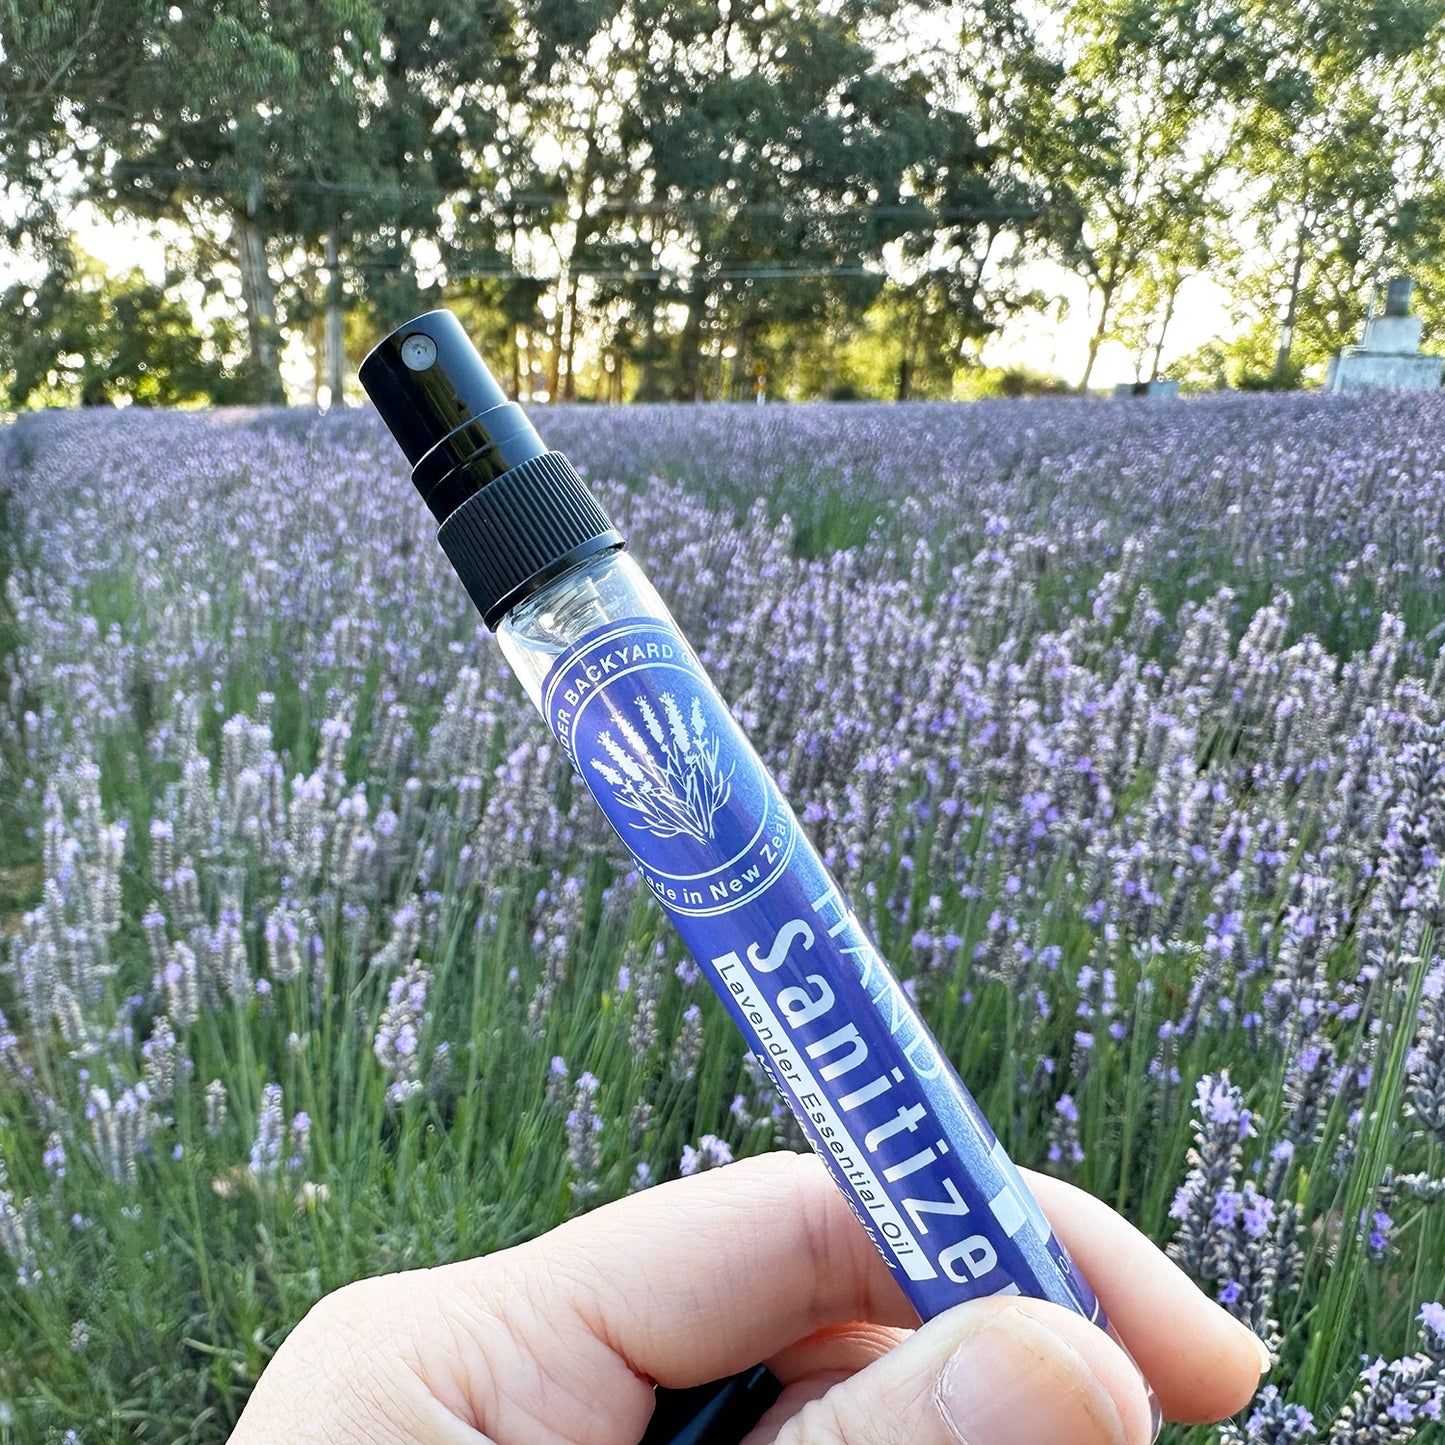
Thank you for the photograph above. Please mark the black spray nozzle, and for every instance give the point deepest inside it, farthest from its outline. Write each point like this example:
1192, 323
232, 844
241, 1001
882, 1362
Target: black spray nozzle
444, 407
512, 515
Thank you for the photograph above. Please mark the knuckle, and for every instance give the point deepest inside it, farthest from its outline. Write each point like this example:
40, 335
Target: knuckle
356, 1306
360, 1319
363, 1334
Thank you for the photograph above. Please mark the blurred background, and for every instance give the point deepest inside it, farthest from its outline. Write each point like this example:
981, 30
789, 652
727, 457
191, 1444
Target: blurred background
710, 199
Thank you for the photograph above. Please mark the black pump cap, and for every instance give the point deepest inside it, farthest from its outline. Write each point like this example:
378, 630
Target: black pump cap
446, 410
426, 380
513, 515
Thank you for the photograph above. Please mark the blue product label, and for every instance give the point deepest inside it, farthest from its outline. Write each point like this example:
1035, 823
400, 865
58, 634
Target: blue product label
721, 849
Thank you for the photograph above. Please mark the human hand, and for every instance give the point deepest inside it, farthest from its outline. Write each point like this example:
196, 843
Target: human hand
560, 1341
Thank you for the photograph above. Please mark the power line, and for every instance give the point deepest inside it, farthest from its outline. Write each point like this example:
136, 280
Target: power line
523, 200
602, 273
739, 273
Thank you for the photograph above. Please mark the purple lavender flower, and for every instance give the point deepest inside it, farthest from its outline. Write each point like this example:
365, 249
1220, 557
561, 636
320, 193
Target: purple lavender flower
999, 731
120, 1128
584, 1125
687, 1048
398, 1035
1229, 1233
710, 1153
1064, 1147
18, 1232
215, 1108
1272, 1421
270, 1139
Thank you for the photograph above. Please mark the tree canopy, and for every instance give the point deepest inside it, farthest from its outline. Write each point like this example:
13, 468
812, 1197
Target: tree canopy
670, 198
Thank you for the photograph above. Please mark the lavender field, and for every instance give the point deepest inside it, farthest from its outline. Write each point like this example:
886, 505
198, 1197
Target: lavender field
1122, 723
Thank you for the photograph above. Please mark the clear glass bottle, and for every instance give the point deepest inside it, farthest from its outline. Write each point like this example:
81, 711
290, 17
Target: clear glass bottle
712, 837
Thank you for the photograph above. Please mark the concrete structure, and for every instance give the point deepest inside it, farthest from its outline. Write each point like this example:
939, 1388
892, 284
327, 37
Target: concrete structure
1146, 388
1389, 354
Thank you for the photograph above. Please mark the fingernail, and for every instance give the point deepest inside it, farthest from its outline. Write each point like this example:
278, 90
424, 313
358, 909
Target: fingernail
1013, 1379
1266, 1360
1156, 1411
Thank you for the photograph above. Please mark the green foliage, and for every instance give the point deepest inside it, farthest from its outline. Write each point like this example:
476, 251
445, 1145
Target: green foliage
1342, 162
162, 1298
1006, 381
1146, 98
83, 336
272, 130
1247, 362
655, 199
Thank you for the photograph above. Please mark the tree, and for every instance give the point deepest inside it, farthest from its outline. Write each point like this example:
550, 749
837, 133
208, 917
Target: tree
779, 155
1324, 161
318, 142
972, 205
84, 335
47, 52
1421, 165
1129, 139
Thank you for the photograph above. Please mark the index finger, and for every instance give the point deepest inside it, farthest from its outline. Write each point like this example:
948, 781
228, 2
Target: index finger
1203, 1363
703, 1277
677, 1285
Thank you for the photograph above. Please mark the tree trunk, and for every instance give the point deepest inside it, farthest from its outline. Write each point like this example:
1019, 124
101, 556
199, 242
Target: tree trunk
259, 294
316, 345
335, 343
909, 361
1100, 331
1286, 335
1164, 329
586, 229
689, 355
569, 340
554, 348
513, 328
649, 387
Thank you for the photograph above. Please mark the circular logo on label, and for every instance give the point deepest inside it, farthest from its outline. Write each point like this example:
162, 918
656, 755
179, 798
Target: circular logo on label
660, 752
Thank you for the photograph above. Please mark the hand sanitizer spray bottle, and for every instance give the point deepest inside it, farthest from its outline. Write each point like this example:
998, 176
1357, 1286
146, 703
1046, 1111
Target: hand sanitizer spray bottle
713, 838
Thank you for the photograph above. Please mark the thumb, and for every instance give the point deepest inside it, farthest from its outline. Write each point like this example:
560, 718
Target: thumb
992, 1372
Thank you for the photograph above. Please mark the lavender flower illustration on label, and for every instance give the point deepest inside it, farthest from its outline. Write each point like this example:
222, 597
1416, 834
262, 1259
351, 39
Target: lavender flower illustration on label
706, 826
676, 783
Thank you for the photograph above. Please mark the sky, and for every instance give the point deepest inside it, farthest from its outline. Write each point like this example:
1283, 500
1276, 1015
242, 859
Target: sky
1061, 347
